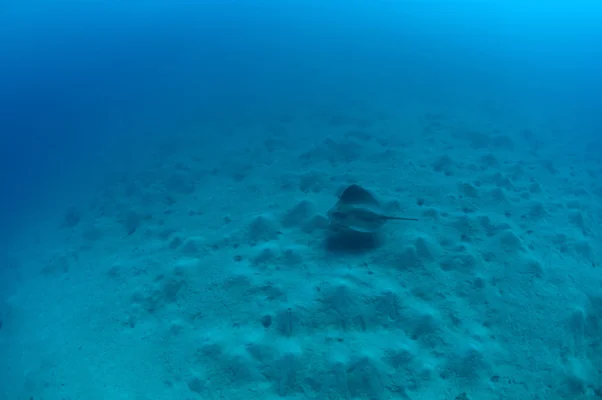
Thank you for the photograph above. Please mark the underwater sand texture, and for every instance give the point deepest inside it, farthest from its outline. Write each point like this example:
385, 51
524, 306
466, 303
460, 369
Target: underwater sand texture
203, 275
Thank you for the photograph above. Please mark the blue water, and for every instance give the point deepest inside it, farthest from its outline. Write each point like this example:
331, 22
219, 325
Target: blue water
88, 89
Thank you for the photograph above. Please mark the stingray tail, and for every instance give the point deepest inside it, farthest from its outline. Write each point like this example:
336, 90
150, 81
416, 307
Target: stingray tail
401, 218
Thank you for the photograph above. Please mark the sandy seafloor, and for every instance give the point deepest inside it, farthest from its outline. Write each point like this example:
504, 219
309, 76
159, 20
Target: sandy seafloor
204, 274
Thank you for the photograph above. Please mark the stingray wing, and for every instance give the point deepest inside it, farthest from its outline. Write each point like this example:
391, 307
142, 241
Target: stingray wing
356, 195
357, 219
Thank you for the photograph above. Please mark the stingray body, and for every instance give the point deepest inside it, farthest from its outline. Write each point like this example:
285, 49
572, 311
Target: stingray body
357, 210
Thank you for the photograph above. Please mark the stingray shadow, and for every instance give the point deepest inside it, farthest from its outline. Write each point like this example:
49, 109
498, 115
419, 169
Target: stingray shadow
351, 242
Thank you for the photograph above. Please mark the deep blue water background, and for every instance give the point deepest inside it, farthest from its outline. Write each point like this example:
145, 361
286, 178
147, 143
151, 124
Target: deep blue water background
84, 86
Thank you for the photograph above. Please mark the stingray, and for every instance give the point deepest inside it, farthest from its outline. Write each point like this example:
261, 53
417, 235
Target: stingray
357, 210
